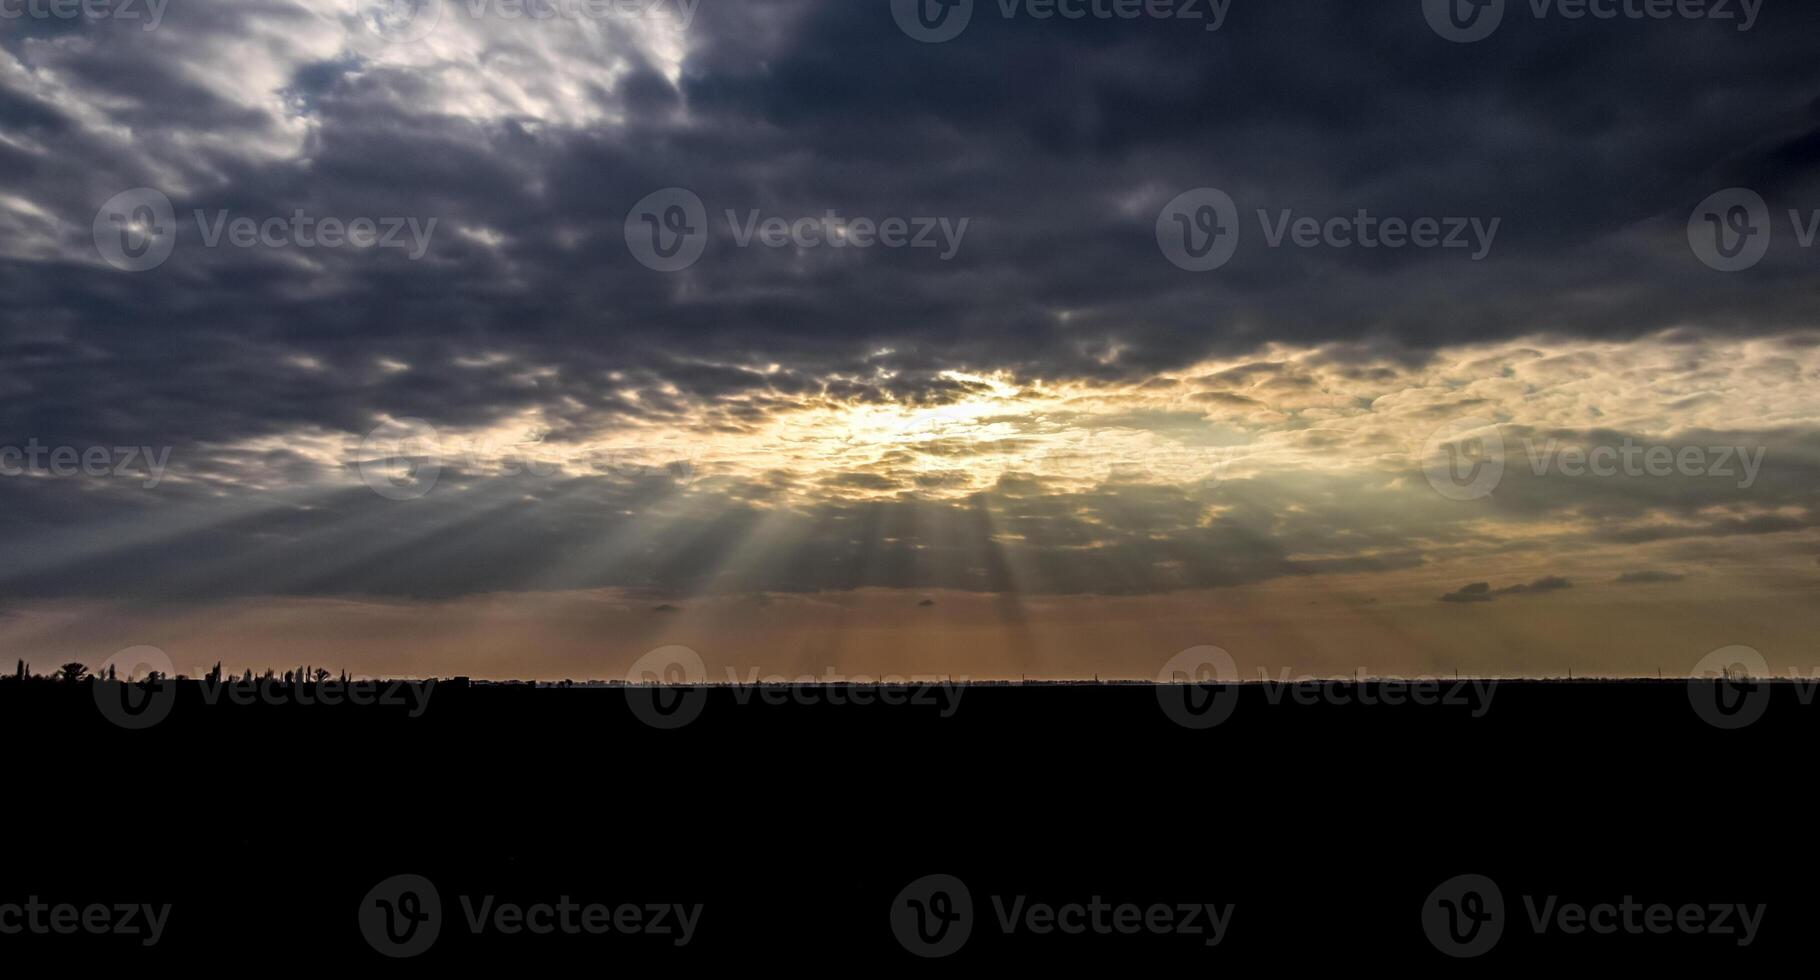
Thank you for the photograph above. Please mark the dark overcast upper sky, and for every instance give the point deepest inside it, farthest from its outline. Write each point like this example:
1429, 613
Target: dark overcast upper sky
1590, 140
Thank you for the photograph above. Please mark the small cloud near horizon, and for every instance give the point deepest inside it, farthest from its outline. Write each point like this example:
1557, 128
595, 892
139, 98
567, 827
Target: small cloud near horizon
1650, 578
1483, 592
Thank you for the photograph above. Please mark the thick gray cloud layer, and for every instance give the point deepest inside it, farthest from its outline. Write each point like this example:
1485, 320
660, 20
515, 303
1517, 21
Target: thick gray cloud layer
1590, 142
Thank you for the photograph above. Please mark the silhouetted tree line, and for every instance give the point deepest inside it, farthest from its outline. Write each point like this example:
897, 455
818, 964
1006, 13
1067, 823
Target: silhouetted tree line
77, 673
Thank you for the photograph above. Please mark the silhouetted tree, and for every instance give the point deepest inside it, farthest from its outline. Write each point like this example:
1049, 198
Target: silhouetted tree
71, 673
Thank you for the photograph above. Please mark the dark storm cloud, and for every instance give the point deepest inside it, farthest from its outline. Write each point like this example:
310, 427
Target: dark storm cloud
1589, 141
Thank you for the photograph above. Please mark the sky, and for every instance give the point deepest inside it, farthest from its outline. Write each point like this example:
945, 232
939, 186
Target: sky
859, 338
